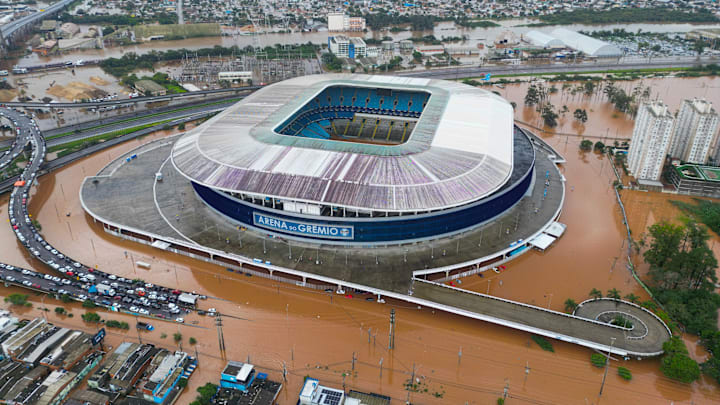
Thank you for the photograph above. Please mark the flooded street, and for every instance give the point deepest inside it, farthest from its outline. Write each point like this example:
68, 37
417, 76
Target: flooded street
315, 333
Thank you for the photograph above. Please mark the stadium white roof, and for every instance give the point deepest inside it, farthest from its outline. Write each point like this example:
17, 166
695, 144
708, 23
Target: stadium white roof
588, 45
538, 38
460, 151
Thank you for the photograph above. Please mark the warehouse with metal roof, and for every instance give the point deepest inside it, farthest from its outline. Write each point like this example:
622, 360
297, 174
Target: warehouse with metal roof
585, 44
542, 39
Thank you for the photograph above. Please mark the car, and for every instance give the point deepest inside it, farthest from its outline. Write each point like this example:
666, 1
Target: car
26, 283
149, 285
175, 311
134, 309
53, 251
144, 311
47, 277
114, 285
66, 282
9, 278
77, 265
212, 310
82, 297
112, 277
181, 320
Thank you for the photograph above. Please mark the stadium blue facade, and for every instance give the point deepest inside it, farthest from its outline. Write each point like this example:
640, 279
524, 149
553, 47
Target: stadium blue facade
380, 229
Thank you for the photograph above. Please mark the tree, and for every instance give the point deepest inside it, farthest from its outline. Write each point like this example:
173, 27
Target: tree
65, 298
632, 298
624, 373
549, 116
177, 337
205, 394
595, 293
181, 126
586, 145
91, 317
532, 97
580, 115
613, 293
570, 305
699, 47
88, 303
676, 363
60, 310
192, 340
588, 88
17, 299
599, 146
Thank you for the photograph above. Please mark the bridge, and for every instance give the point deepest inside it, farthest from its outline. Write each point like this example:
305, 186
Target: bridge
19, 26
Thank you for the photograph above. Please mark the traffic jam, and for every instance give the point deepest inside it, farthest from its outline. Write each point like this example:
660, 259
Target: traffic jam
73, 279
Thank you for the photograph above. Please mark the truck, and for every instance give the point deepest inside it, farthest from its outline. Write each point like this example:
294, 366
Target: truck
105, 289
144, 326
19, 70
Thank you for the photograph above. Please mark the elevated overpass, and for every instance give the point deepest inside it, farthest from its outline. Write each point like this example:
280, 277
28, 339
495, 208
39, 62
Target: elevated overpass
16, 27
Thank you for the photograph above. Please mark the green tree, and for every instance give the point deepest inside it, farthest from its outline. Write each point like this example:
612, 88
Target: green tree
60, 310
177, 337
570, 305
91, 317
66, 298
676, 363
699, 47
205, 394
613, 293
580, 115
88, 303
595, 293
586, 145
632, 298
548, 115
532, 97
17, 299
192, 340
624, 373
599, 146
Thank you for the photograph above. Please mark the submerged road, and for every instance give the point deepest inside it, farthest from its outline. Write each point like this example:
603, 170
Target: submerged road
78, 281
74, 279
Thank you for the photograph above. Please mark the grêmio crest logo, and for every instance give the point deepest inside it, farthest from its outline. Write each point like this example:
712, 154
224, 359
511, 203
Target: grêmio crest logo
303, 228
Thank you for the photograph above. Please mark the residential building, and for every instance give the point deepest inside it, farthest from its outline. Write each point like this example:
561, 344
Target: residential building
166, 369
340, 22
313, 393
344, 47
650, 142
695, 131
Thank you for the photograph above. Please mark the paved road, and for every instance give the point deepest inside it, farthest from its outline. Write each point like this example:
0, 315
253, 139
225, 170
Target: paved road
34, 104
132, 296
111, 124
477, 71
9, 29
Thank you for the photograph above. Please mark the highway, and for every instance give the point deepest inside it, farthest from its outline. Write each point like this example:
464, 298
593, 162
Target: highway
77, 280
149, 99
110, 124
524, 69
9, 29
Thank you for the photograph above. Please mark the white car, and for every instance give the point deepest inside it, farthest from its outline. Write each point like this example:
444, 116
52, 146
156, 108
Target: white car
181, 320
112, 277
144, 311
212, 310
134, 309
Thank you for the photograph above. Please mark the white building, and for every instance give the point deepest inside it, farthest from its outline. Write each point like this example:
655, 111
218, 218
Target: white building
340, 22
650, 142
344, 47
542, 39
585, 44
315, 394
695, 131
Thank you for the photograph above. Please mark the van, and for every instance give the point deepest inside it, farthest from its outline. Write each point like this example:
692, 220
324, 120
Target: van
3, 72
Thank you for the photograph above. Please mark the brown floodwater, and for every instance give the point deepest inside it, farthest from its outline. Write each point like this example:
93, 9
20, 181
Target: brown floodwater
603, 120
316, 334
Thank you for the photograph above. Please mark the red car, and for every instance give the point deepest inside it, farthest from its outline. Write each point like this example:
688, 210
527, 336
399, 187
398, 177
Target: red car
176, 292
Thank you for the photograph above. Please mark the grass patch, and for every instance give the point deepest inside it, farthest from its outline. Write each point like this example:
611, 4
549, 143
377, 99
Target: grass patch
74, 146
543, 343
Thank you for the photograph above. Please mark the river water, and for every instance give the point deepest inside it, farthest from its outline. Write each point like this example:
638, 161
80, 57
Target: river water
316, 334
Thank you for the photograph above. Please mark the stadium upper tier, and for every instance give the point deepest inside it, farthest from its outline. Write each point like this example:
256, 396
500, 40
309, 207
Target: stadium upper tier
459, 150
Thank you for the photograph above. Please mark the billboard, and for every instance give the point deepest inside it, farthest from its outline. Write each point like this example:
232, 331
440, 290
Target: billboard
326, 231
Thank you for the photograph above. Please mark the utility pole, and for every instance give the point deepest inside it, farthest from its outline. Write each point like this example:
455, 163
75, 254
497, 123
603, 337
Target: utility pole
381, 361
607, 365
506, 390
221, 338
527, 371
459, 355
353, 362
391, 341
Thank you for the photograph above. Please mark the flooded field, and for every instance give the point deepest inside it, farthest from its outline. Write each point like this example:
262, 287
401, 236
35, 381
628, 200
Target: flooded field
315, 333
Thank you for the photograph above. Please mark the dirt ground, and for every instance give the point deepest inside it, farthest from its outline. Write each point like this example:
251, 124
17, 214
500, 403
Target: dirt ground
75, 91
99, 81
